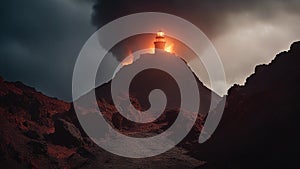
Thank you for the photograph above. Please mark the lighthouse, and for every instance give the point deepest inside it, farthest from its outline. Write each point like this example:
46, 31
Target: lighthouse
160, 41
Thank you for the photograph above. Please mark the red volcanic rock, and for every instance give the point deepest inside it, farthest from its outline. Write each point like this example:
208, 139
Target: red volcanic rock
66, 134
26, 117
60, 152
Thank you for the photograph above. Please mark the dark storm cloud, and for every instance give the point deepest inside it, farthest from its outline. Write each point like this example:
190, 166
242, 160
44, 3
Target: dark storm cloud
206, 14
245, 33
40, 41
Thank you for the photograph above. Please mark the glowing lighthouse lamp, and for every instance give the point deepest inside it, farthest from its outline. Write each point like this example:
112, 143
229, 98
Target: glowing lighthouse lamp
160, 43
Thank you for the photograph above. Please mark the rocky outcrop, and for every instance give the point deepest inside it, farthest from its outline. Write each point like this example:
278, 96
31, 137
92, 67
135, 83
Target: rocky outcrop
66, 134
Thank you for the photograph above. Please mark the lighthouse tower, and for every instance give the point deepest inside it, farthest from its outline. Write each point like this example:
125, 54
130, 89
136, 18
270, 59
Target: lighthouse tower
159, 42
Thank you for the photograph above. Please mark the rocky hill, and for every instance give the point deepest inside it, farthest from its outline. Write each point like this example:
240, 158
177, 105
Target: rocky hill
50, 135
259, 128
260, 124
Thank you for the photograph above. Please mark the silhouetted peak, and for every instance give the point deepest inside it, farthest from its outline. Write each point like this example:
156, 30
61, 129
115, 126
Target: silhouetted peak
295, 46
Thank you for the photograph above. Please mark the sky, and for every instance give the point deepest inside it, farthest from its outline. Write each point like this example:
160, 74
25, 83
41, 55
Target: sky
40, 40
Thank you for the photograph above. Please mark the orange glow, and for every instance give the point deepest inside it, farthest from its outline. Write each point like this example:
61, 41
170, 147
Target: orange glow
169, 48
152, 49
128, 60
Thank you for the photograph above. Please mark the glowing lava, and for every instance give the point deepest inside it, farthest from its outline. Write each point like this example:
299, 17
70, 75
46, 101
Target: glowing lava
169, 48
128, 60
